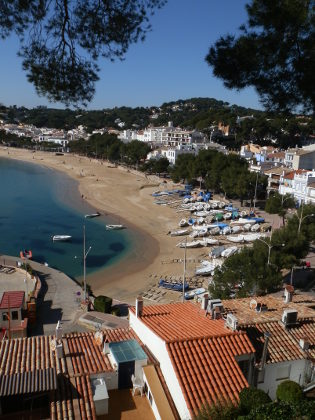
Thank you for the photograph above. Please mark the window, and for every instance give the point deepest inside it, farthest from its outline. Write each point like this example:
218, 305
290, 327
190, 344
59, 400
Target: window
5, 316
283, 372
150, 397
15, 315
261, 376
244, 366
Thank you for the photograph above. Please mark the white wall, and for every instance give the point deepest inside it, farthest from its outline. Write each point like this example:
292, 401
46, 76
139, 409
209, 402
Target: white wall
297, 369
153, 405
158, 347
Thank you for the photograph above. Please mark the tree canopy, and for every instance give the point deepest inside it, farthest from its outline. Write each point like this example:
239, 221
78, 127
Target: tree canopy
274, 53
61, 40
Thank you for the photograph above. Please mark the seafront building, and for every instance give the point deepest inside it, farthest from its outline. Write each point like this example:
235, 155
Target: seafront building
171, 359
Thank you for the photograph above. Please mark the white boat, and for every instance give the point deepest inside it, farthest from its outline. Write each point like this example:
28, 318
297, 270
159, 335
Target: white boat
251, 237
236, 239
243, 213
215, 231
61, 238
89, 216
255, 228
242, 221
192, 293
226, 230
236, 229
201, 213
247, 227
183, 223
193, 244
229, 251
200, 220
227, 216
214, 205
114, 227
180, 232
209, 241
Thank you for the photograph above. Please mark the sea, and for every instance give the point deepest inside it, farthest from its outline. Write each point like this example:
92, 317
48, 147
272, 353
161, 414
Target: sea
36, 203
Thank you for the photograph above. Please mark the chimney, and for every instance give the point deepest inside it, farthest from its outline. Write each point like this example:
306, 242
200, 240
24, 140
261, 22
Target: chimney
204, 301
288, 293
58, 331
59, 350
265, 349
139, 306
304, 343
106, 347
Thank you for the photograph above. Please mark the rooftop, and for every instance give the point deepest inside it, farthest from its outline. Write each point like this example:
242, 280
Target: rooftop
12, 299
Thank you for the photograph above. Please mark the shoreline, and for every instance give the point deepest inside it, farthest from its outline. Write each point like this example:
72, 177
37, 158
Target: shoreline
121, 195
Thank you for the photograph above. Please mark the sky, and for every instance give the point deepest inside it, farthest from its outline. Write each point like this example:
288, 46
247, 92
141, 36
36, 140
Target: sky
169, 65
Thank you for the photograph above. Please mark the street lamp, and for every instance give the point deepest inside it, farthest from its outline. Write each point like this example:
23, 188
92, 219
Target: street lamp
269, 247
85, 254
302, 218
255, 195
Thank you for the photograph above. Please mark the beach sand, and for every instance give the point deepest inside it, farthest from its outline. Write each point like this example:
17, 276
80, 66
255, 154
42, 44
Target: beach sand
124, 196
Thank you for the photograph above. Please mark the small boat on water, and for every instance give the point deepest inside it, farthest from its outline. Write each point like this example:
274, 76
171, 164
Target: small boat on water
26, 254
91, 215
114, 227
61, 238
192, 293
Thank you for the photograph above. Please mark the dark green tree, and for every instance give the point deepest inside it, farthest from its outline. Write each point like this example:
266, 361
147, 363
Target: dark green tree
278, 204
274, 53
290, 391
252, 398
53, 35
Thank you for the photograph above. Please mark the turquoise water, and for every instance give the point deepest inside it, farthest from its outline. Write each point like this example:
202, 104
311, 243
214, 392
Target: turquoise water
37, 203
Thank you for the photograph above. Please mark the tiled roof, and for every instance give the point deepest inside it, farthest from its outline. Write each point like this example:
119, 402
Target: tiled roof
277, 170
305, 329
201, 350
280, 155
29, 364
14, 299
281, 346
178, 321
275, 305
291, 174
207, 370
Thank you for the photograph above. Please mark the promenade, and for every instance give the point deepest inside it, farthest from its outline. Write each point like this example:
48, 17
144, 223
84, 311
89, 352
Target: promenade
58, 299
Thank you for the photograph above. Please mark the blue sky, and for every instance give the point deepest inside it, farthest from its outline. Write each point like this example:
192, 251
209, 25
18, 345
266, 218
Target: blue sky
168, 65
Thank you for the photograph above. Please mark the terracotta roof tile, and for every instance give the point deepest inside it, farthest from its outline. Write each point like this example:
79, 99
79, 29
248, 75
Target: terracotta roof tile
203, 352
15, 299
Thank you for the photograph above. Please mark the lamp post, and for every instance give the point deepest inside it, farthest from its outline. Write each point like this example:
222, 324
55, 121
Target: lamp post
301, 218
269, 247
255, 195
84, 263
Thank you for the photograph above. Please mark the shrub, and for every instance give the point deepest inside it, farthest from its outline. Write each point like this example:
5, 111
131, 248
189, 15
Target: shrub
282, 410
115, 311
218, 412
289, 391
103, 304
252, 398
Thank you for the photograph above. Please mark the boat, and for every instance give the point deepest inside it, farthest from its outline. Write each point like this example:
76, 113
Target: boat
193, 244
61, 238
114, 227
247, 227
183, 223
191, 221
229, 251
236, 229
255, 228
227, 216
173, 285
226, 230
180, 232
243, 221
236, 239
251, 237
192, 293
26, 254
89, 216
216, 252
209, 241
215, 230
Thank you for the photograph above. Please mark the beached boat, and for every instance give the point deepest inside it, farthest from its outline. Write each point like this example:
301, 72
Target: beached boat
242, 221
193, 244
226, 230
209, 242
236, 229
172, 285
255, 228
227, 216
191, 221
26, 254
216, 252
114, 227
215, 230
91, 215
182, 223
192, 293
251, 237
61, 238
180, 232
247, 227
236, 239
229, 251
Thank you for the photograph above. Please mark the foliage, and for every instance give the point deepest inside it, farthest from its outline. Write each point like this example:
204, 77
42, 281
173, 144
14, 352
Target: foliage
103, 304
283, 411
273, 53
277, 204
115, 311
290, 392
157, 166
54, 34
218, 411
251, 398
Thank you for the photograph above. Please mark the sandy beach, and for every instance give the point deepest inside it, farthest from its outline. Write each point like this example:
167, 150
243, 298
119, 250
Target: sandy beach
124, 197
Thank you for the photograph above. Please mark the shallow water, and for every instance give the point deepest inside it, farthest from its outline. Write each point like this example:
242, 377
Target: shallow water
37, 203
